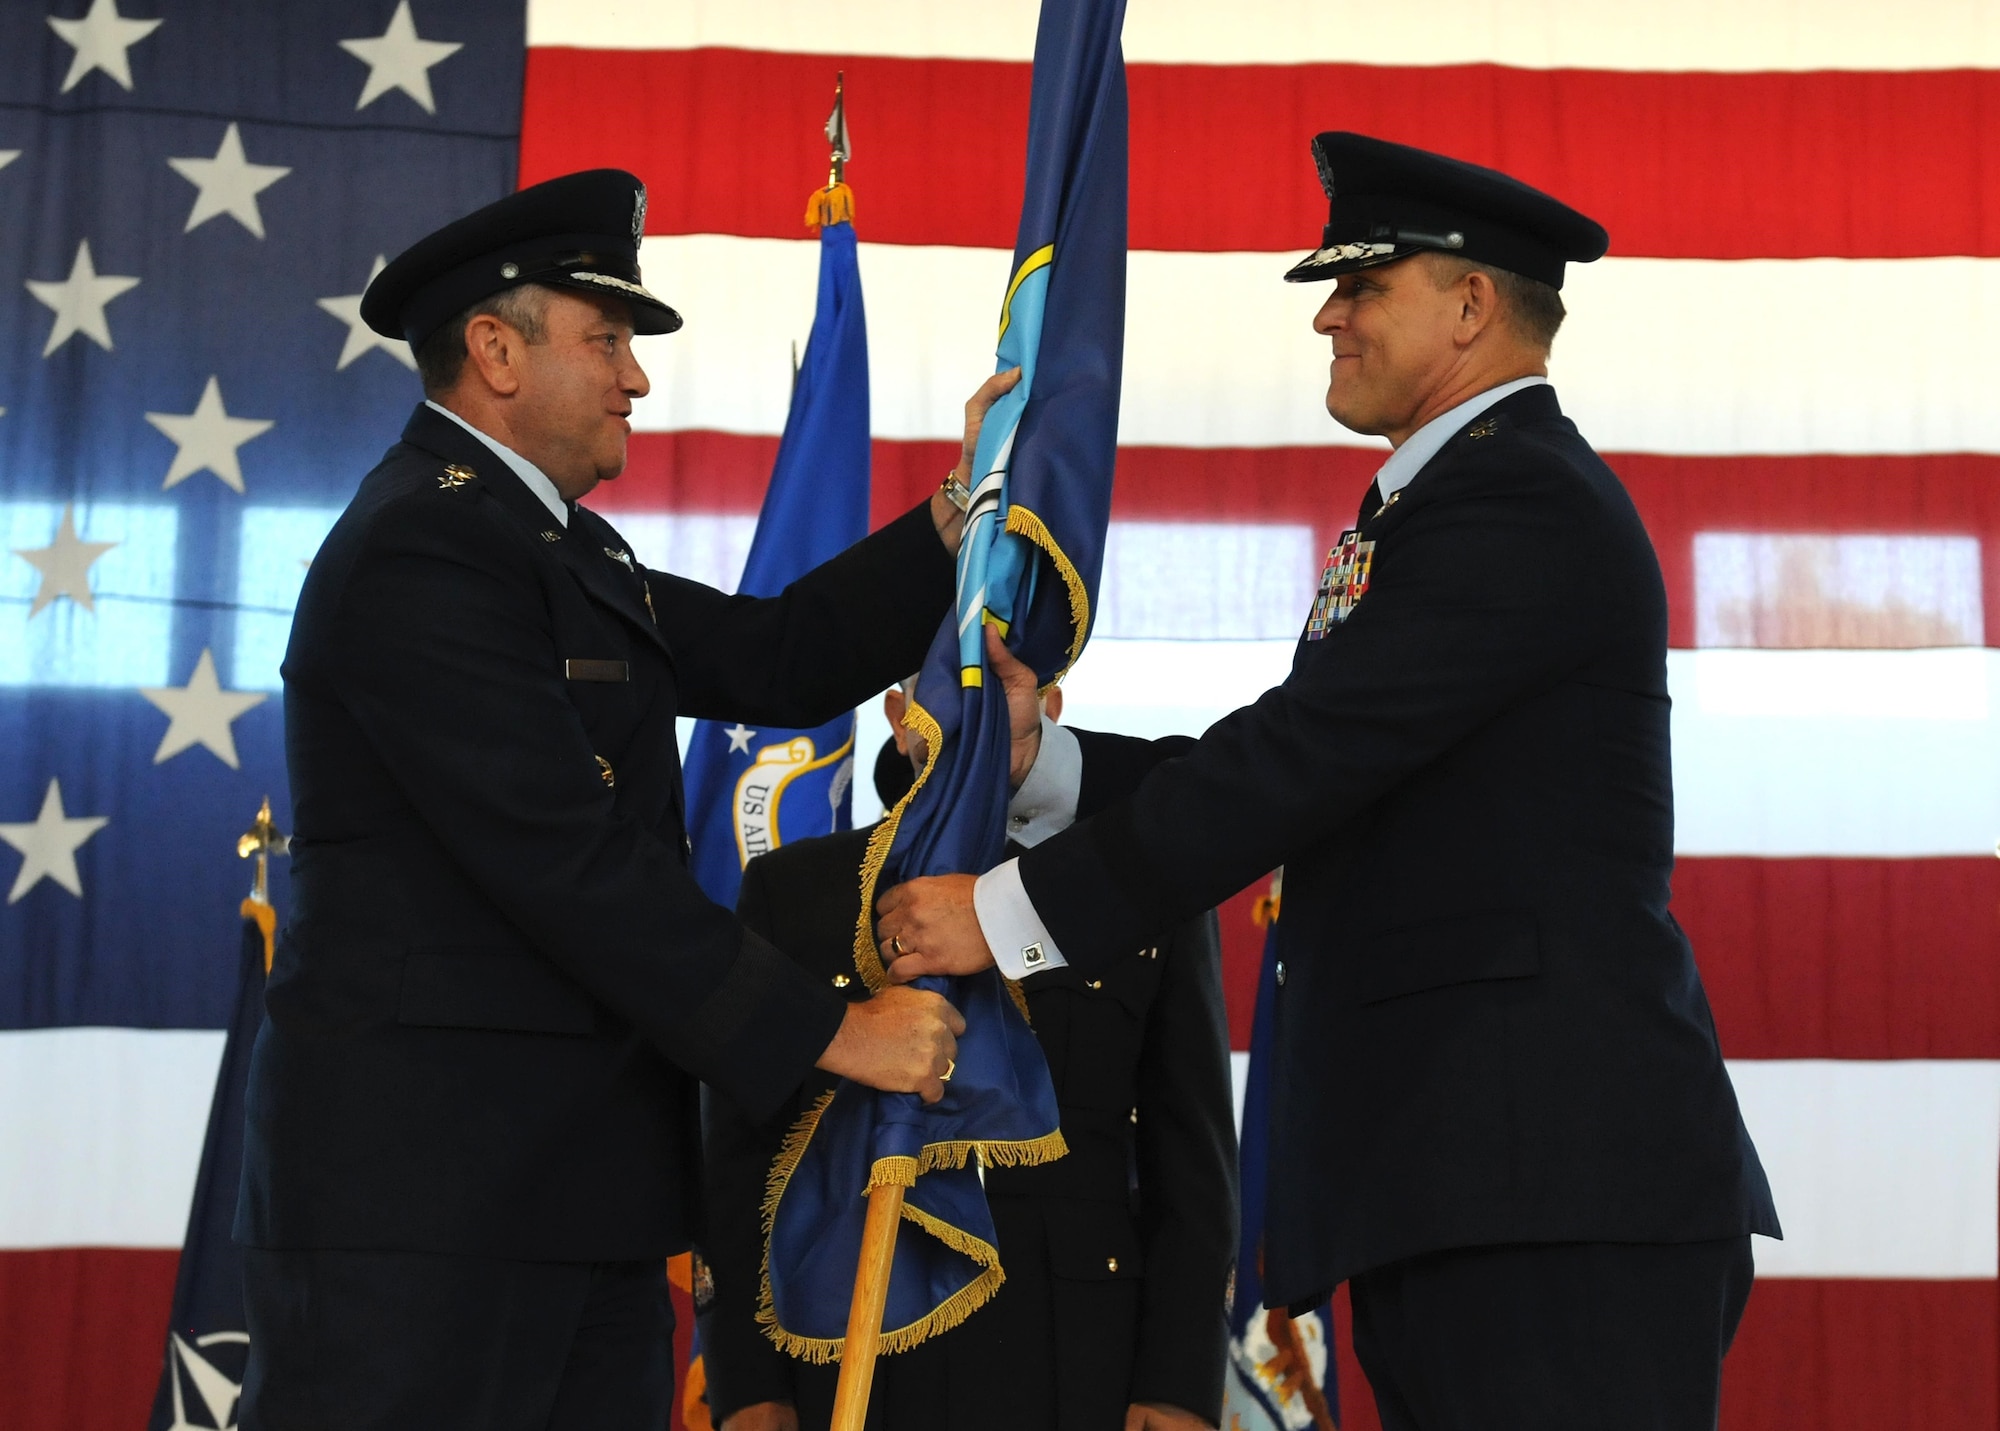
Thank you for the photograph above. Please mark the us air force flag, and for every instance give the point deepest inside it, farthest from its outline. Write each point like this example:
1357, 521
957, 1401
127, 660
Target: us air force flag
1280, 1366
750, 791
206, 1343
1033, 547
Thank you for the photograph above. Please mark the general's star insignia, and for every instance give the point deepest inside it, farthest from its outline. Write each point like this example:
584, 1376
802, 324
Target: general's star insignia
455, 477
1485, 429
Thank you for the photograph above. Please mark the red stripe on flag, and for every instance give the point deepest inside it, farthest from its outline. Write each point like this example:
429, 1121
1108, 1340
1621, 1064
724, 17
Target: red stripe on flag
1865, 1354
1824, 1354
1956, 494
1851, 958
1676, 165
85, 1329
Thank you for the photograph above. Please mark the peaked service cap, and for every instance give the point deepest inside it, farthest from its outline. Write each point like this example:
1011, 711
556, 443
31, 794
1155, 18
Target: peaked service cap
1387, 201
580, 231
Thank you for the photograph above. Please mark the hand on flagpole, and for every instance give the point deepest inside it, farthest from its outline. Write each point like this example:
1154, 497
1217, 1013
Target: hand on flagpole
949, 520
900, 1041
928, 926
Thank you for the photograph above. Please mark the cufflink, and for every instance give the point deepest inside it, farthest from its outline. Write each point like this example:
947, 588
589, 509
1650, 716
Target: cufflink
1033, 956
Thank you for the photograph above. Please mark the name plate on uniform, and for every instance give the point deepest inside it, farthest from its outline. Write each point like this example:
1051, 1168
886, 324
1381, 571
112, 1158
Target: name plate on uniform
581, 670
1342, 582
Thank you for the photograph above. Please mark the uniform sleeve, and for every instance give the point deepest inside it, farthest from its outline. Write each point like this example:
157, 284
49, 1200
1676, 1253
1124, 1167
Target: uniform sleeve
1476, 603
846, 630
743, 1366
1186, 1140
444, 656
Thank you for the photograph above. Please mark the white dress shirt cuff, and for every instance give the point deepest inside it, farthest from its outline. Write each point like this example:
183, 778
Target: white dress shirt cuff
1014, 932
1045, 804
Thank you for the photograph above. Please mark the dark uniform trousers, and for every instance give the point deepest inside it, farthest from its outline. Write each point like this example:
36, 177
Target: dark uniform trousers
1489, 1030
473, 1126
1117, 1256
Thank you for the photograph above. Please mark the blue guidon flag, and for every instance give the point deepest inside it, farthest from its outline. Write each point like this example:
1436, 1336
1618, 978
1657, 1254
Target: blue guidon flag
1033, 548
750, 791
1281, 1370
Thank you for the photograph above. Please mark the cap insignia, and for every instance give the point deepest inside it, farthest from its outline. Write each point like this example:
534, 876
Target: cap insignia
1348, 252
606, 280
510, 270
455, 477
638, 214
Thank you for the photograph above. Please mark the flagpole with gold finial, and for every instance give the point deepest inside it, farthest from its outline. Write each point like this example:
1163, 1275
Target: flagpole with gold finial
263, 839
835, 203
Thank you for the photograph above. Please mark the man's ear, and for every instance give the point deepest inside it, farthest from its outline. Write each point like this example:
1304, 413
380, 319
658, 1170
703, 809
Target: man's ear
893, 705
1479, 304
1052, 704
493, 350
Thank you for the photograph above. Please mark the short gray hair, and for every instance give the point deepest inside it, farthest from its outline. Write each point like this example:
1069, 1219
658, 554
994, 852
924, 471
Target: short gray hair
1532, 308
441, 357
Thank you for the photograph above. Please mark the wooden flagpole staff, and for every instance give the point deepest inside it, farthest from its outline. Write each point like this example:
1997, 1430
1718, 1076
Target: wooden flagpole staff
833, 205
864, 1313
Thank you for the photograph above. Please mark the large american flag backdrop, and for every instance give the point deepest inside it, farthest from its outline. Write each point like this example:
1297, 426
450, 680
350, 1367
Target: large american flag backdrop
1788, 358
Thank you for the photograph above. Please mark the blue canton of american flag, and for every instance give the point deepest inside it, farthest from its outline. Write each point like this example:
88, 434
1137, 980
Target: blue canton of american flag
193, 196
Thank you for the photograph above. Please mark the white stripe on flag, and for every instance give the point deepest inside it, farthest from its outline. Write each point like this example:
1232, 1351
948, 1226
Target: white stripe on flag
1777, 753
102, 1131
1878, 1169
1220, 353
1554, 34
1881, 1169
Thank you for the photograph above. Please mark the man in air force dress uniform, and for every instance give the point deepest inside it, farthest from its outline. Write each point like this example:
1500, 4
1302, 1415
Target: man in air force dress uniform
1499, 1109
472, 1128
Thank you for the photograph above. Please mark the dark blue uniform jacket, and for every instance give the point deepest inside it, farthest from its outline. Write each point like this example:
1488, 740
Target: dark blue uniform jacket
499, 983
1490, 1028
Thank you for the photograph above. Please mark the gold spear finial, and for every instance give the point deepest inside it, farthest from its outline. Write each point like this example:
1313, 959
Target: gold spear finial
263, 839
835, 203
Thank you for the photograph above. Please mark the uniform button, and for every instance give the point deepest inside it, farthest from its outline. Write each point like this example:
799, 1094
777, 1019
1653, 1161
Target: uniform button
1111, 1264
1281, 973
840, 981
1018, 821
1135, 1115
1096, 983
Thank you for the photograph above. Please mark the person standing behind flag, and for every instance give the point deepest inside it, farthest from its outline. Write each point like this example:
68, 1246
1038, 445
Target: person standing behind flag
1497, 1097
1117, 1255
472, 1128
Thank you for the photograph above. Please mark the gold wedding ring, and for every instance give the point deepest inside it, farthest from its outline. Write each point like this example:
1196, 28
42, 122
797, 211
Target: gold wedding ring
945, 1077
896, 943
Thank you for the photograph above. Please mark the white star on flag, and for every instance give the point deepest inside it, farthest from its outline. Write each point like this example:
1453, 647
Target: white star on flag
740, 738
228, 184
200, 713
399, 59
49, 843
8, 156
208, 438
360, 337
101, 39
79, 301
64, 564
